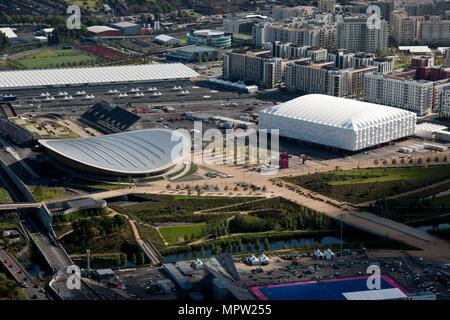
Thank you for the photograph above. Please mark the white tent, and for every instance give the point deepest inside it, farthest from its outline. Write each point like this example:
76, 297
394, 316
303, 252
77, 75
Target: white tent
252, 260
264, 260
197, 264
328, 254
318, 254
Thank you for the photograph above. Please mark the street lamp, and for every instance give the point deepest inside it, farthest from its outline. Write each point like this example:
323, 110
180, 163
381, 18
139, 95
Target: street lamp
342, 223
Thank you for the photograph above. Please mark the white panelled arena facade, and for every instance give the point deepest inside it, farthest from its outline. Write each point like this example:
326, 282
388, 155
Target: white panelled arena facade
337, 122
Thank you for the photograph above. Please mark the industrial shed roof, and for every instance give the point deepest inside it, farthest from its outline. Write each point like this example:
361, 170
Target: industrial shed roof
98, 29
8, 32
135, 153
94, 75
336, 112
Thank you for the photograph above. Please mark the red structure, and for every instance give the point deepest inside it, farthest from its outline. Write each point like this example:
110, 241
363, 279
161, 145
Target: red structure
421, 69
284, 160
101, 51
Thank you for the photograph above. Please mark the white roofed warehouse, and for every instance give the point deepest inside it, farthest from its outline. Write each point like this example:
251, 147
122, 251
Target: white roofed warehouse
149, 152
337, 122
26, 79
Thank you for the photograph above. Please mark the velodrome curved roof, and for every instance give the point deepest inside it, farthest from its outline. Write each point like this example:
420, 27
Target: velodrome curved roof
79, 76
336, 112
135, 152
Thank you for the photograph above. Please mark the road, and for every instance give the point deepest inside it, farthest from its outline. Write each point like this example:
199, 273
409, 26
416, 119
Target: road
58, 261
21, 276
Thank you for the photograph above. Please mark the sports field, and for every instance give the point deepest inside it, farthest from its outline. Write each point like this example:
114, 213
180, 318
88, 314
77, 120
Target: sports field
172, 235
330, 289
54, 58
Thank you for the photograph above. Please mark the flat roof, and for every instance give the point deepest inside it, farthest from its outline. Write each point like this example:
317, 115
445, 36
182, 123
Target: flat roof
80, 76
415, 49
124, 24
208, 33
98, 29
336, 112
8, 32
194, 49
135, 153
165, 37
381, 294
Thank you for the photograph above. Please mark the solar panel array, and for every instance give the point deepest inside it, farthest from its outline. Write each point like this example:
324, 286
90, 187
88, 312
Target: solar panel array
94, 75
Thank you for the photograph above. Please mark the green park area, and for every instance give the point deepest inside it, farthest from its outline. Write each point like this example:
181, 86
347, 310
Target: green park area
9, 289
215, 221
109, 238
90, 5
362, 185
54, 58
4, 196
174, 235
45, 193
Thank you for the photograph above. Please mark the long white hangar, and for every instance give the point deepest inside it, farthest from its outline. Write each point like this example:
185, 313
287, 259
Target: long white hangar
337, 122
44, 78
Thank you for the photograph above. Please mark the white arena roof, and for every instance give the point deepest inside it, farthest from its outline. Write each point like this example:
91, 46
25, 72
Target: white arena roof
94, 75
141, 152
338, 122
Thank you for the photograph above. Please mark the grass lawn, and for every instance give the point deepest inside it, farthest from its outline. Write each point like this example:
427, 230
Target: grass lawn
4, 196
54, 58
61, 229
187, 232
151, 234
441, 201
164, 208
7, 226
361, 185
91, 5
97, 184
43, 193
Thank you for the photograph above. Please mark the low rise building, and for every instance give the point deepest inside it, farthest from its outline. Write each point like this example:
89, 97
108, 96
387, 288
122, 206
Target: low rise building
212, 38
193, 54
103, 31
109, 119
127, 28
167, 40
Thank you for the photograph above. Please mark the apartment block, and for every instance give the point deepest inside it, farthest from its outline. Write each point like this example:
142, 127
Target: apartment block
404, 93
301, 35
354, 35
259, 68
289, 51
283, 12
328, 6
305, 77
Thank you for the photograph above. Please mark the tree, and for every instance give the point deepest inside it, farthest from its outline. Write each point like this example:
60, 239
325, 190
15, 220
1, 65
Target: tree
4, 42
133, 259
266, 244
140, 259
